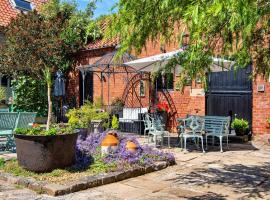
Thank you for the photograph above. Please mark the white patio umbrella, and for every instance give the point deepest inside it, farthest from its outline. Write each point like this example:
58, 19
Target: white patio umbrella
157, 62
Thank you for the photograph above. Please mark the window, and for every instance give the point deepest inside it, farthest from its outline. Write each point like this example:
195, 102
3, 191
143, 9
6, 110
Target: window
24, 5
142, 88
165, 81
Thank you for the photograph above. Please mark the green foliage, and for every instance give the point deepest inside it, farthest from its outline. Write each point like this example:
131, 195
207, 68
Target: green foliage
81, 117
268, 120
2, 162
240, 124
93, 31
3, 93
30, 95
54, 130
115, 123
239, 29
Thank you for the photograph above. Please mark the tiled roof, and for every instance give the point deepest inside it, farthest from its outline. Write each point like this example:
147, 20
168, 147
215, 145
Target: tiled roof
7, 11
102, 43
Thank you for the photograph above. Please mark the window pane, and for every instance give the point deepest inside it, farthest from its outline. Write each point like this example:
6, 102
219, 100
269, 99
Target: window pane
165, 81
22, 4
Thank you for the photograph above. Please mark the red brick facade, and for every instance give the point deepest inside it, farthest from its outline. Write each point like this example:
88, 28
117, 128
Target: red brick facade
261, 107
185, 103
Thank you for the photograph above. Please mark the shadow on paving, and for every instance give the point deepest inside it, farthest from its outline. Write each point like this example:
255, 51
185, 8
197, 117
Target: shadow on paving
208, 196
192, 146
252, 180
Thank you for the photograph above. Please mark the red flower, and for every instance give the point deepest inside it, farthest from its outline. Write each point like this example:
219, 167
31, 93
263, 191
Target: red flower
163, 106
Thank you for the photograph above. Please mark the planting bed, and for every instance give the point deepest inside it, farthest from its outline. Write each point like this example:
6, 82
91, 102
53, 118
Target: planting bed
91, 168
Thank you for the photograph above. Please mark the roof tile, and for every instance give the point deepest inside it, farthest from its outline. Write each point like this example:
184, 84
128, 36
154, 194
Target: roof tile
7, 11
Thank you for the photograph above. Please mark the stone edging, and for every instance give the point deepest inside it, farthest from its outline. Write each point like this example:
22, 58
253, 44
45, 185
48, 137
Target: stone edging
81, 184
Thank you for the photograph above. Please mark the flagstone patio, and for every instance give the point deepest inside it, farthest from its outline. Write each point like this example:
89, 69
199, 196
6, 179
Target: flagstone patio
241, 173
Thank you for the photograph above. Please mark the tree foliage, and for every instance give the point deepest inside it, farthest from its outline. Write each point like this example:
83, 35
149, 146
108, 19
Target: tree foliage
30, 95
235, 29
38, 44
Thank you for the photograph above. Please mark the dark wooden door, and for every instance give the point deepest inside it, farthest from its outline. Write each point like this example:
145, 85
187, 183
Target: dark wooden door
230, 93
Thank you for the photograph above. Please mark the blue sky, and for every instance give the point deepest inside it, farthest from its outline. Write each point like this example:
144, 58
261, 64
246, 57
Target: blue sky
103, 7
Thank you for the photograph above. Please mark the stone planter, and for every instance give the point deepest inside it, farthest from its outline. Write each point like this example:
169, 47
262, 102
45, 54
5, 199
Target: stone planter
45, 153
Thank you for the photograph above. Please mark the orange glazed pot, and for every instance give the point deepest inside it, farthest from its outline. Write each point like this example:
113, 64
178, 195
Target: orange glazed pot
131, 146
110, 142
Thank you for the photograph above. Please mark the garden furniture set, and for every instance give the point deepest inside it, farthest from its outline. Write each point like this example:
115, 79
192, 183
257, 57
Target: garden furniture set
9, 121
155, 129
200, 127
192, 127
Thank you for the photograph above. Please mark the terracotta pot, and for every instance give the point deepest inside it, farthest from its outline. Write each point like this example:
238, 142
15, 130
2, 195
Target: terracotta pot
131, 146
110, 142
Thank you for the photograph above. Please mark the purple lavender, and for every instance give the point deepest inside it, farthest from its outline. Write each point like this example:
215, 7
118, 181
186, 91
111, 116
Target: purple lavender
89, 148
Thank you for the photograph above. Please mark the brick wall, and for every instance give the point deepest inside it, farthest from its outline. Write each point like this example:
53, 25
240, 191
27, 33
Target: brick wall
184, 102
261, 107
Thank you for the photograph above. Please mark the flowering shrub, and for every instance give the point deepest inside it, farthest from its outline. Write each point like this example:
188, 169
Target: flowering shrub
121, 159
163, 107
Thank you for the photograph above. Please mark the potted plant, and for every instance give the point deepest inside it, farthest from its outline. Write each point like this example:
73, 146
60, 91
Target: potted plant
162, 111
80, 118
240, 126
42, 150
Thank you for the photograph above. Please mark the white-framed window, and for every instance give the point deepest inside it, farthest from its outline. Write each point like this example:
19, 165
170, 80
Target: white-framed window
23, 5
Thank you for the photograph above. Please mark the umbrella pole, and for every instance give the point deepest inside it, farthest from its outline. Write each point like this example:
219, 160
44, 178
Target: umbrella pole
101, 75
83, 76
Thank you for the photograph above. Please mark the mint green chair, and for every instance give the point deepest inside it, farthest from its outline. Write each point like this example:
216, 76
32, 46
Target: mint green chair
8, 122
26, 119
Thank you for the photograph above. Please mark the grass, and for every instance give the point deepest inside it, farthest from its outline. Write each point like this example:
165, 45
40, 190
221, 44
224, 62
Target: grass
57, 175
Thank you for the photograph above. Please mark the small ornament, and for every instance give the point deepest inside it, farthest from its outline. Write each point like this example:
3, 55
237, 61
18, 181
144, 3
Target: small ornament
109, 143
131, 146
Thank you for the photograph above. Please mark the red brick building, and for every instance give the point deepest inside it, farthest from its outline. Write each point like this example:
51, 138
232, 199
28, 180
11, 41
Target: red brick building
191, 101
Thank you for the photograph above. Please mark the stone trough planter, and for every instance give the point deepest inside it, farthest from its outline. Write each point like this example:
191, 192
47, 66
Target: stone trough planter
45, 153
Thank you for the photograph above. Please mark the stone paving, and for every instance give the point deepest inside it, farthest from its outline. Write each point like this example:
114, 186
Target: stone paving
243, 172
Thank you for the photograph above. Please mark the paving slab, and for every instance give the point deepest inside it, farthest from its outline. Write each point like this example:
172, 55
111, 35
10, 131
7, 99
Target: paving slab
243, 172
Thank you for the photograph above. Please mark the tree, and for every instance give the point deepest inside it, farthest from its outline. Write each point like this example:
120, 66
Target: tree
235, 29
39, 44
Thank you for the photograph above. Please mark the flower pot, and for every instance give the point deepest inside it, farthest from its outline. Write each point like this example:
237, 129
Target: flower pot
240, 132
45, 153
109, 143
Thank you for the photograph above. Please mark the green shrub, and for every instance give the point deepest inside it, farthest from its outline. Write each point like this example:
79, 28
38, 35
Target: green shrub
240, 124
30, 95
81, 117
115, 123
57, 129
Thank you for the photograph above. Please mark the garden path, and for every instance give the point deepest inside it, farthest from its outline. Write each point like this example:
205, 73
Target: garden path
241, 173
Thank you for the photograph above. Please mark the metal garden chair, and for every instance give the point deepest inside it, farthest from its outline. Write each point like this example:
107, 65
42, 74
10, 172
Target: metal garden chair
4, 109
158, 130
217, 126
8, 122
191, 127
26, 119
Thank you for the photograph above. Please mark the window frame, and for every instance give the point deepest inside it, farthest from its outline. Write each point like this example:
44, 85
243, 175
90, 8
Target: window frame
13, 2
